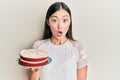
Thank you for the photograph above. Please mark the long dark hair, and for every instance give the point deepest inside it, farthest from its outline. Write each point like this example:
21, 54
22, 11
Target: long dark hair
52, 9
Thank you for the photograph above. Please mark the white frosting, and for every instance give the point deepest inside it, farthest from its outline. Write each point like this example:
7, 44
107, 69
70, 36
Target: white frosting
34, 62
33, 53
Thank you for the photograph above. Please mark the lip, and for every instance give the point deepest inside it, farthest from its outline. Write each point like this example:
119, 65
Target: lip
59, 33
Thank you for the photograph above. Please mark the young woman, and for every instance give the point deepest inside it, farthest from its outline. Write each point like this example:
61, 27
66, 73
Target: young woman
69, 59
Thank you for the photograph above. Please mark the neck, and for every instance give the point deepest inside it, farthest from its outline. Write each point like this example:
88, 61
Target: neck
58, 41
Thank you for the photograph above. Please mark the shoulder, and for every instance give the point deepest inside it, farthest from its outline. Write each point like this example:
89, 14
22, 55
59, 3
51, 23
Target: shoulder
77, 44
37, 43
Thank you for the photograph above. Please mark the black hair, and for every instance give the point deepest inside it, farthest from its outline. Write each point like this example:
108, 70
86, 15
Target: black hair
52, 9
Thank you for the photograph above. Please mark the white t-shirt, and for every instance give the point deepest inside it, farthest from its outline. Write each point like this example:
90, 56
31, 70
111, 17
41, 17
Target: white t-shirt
66, 59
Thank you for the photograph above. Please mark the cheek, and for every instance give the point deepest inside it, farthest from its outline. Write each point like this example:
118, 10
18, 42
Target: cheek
67, 27
66, 30
52, 28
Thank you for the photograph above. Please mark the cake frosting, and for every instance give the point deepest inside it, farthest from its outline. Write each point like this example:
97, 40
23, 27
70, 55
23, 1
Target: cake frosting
33, 57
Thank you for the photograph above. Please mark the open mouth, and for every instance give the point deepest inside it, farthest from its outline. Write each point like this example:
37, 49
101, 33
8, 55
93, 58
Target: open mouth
59, 33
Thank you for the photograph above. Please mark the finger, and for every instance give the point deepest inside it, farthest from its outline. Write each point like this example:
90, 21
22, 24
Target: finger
34, 69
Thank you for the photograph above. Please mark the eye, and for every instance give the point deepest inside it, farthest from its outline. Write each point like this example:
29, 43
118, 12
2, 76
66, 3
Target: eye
54, 20
65, 20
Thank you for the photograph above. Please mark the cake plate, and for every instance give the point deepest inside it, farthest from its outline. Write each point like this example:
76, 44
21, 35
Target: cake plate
49, 61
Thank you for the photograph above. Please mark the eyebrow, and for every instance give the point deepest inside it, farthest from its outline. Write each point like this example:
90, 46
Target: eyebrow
65, 16
57, 17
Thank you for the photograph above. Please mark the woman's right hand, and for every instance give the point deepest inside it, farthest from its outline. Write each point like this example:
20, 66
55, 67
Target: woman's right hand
32, 69
34, 73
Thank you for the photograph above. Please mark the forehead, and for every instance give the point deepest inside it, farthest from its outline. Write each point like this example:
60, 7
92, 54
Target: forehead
60, 13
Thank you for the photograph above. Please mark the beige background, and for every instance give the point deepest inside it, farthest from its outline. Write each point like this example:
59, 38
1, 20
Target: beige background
96, 23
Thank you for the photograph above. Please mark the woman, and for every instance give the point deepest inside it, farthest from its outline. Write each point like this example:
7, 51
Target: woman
69, 59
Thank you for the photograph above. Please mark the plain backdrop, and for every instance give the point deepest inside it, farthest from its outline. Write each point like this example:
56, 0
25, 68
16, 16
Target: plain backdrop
96, 24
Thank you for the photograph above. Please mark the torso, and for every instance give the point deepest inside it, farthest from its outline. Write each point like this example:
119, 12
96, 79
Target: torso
64, 61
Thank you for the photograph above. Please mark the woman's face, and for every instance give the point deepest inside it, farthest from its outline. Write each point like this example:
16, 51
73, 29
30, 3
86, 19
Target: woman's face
59, 23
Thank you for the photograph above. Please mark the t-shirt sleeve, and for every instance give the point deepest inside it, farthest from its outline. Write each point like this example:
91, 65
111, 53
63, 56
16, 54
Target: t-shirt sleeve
36, 45
82, 56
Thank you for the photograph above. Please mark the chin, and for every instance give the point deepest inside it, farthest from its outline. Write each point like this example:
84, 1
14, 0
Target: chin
60, 38
57, 37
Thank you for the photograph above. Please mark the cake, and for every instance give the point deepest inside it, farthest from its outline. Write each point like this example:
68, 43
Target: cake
33, 57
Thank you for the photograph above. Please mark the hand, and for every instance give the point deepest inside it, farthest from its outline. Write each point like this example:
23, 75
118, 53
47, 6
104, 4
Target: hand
32, 69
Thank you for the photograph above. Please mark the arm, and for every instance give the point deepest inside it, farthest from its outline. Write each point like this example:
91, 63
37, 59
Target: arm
34, 74
82, 73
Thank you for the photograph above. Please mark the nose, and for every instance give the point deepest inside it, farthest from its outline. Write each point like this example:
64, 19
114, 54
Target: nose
60, 25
